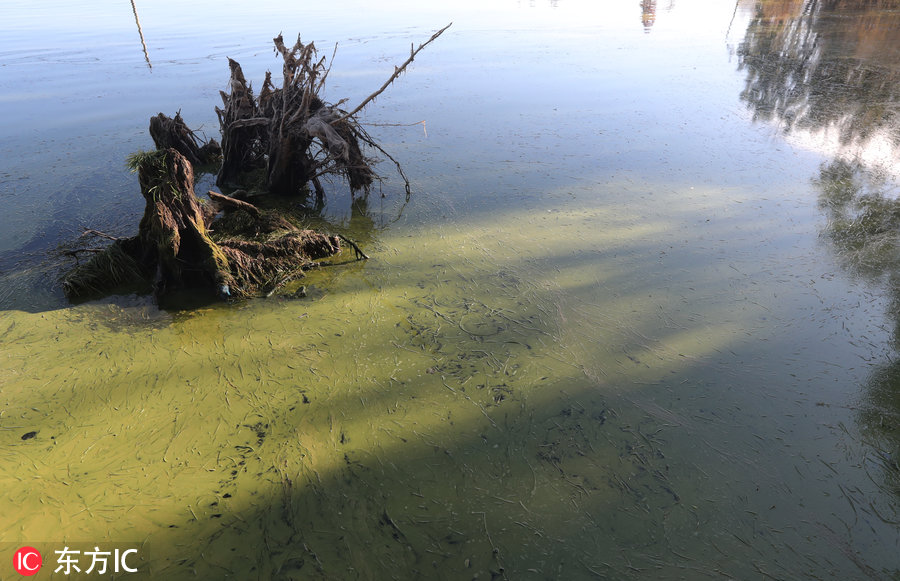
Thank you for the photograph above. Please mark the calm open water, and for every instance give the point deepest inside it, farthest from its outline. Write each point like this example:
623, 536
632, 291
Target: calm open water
637, 319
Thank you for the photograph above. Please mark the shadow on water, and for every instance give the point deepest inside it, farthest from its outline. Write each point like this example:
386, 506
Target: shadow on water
472, 417
448, 439
426, 444
469, 499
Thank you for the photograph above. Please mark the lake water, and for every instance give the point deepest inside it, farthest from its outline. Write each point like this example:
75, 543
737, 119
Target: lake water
637, 319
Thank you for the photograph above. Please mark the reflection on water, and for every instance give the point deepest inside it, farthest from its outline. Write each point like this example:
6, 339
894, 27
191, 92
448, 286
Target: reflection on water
864, 229
648, 14
879, 416
829, 71
828, 74
137, 21
602, 339
863, 219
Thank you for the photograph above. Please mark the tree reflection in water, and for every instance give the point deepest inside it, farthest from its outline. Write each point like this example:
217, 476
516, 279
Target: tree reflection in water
833, 66
863, 228
825, 64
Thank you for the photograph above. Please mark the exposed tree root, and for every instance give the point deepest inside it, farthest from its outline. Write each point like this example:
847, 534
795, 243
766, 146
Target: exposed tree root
281, 141
175, 249
291, 133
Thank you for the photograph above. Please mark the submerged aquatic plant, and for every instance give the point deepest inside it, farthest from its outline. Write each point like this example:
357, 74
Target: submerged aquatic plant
863, 217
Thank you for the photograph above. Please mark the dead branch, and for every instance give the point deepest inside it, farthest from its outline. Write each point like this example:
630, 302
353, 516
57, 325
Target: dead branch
220, 202
74, 253
364, 136
360, 255
397, 72
97, 233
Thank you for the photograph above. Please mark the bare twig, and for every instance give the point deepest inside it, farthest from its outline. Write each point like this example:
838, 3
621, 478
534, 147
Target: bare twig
320, 191
89, 232
422, 123
327, 70
360, 255
74, 253
366, 138
221, 201
249, 122
397, 72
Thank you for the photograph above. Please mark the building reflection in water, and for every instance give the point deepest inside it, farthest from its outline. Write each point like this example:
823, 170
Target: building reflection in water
648, 14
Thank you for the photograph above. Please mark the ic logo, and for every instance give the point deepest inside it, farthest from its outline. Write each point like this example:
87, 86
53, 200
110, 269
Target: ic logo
27, 561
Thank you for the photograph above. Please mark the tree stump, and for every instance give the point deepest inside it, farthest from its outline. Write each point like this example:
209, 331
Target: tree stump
283, 140
175, 249
291, 133
173, 132
173, 232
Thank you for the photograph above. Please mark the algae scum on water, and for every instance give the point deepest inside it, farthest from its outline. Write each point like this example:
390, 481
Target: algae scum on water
460, 414
389, 426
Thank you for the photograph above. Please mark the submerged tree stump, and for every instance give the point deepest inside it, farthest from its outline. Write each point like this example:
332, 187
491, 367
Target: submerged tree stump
290, 133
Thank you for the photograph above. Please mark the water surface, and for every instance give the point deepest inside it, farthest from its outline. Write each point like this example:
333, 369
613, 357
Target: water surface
635, 320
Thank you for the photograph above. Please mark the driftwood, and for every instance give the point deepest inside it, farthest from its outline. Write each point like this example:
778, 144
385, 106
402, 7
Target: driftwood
218, 202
